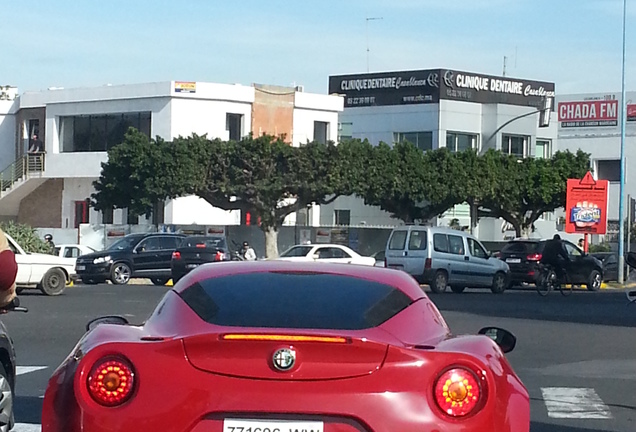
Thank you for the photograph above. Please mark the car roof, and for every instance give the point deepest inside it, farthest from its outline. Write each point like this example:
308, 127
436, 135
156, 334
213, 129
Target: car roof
395, 278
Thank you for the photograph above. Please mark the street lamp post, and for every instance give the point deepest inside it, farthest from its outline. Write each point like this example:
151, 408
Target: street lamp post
621, 205
369, 19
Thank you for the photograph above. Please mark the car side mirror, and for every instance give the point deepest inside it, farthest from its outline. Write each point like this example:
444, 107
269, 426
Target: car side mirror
631, 296
109, 319
503, 338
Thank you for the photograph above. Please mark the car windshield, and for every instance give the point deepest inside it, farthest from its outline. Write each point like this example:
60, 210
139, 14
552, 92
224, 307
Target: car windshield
295, 300
296, 251
126, 243
203, 242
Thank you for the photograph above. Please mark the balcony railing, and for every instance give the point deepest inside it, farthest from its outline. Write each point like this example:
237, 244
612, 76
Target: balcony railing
30, 165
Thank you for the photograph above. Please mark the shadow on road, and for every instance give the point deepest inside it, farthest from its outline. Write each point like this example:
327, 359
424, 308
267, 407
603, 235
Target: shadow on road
585, 307
28, 409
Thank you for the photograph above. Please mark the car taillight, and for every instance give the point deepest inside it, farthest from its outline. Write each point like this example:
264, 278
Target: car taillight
428, 263
534, 257
457, 392
219, 256
111, 381
176, 255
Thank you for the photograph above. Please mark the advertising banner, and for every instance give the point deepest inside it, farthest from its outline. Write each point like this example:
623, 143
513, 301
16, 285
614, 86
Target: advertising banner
586, 206
594, 114
185, 87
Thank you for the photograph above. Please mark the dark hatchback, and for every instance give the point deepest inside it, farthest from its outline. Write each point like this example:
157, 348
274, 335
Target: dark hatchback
195, 251
133, 256
522, 256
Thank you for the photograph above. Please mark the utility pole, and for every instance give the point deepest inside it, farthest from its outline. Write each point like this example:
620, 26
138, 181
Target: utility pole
621, 205
367, 25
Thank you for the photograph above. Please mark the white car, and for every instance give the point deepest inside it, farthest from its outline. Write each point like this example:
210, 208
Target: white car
73, 251
48, 273
332, 253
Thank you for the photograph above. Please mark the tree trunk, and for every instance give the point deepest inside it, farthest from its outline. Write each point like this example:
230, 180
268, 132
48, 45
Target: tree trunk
271, 242
474, 219
526, 231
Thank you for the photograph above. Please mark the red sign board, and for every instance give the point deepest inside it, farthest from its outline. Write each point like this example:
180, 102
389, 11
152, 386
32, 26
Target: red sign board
593, 113
586, 205
631, 112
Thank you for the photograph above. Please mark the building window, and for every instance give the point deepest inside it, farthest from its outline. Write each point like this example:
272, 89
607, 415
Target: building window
107, 216
81, 212
421, 140
342, 217
321, 132
543, 149
234, 125
516, 145
345, 131
98, 133
609, 170
131, 218
458, 142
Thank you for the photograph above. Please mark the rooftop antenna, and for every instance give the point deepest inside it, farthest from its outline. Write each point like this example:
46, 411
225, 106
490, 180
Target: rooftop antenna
504, 65
367, 25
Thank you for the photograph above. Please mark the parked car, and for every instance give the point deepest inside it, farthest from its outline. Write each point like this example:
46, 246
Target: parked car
48, 273
523, 256
442, 257
133, 256
195, 251
380, 260
333, 253
288, 346
610, 265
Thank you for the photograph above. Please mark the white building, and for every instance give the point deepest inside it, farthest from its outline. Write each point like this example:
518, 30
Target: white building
442, 108
77, 126
592, 123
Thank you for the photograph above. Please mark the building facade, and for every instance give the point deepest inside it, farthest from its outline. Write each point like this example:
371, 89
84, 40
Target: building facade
75, 128
592, 122
442, 108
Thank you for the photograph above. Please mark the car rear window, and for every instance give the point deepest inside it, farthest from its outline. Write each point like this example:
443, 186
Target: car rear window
398, 240
295, 301
520, 247
207, 242
296, 251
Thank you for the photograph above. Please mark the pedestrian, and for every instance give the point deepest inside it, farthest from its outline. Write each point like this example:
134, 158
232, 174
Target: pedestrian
35, 146
248, 252
8, 271
581, 243
49, 243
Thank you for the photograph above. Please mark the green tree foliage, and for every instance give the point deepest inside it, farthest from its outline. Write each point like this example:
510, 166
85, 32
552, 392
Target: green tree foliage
26, 236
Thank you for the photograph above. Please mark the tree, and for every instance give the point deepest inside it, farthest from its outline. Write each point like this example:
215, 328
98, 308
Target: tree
408, 183
525, 189
264, 176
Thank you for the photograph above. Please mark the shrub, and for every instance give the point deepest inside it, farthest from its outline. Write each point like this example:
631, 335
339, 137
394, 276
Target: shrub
26, 236
602, 247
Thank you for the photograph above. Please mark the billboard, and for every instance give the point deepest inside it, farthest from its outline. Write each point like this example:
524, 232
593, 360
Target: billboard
594, 114
586, 205
431, 85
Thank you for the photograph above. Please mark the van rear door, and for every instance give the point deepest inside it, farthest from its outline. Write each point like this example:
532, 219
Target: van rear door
395, 252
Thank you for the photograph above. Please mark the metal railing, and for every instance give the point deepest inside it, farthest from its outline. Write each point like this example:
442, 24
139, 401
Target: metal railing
30, 165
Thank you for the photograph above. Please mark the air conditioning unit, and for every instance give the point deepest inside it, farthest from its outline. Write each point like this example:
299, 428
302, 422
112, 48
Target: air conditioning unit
300, 88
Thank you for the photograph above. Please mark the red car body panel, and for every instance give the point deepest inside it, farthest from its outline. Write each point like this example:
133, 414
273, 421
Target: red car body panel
188, 378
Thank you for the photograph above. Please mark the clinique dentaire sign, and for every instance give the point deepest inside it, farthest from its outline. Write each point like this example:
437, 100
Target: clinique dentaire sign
429, 86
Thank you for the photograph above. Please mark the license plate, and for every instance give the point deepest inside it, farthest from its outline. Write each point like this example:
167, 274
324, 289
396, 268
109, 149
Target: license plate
191, 266
81, 267
231, 425
513, 260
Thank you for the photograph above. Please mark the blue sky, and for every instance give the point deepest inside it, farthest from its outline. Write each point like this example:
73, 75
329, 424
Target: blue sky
63, 43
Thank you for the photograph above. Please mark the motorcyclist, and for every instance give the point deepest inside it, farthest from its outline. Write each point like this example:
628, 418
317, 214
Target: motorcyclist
48, 238
248, 252
8, 272
556, 255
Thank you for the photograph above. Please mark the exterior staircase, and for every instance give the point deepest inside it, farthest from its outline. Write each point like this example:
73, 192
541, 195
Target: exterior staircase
18, 180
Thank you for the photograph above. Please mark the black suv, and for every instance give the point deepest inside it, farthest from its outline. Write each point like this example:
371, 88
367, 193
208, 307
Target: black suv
522, 256
133, 256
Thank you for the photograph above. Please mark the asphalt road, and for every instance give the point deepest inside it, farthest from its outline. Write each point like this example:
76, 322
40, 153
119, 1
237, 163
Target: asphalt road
575, 354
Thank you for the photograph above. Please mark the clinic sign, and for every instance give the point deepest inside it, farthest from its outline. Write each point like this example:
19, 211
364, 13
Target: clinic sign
586, 205
429, 86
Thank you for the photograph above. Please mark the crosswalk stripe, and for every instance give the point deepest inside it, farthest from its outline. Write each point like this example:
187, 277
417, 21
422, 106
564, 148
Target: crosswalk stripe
574, 403
21, 370
26, 427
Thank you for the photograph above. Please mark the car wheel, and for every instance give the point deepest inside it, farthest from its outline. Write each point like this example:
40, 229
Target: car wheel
457, 289
53, 282
499, 283
160, 281
440, 283
594, 281
6, 401
120, 273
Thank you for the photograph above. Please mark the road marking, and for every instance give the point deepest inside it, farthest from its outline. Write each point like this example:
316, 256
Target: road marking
27, 427
21, 370
574, 403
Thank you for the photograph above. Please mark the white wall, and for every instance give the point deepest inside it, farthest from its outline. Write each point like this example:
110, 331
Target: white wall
196, 211
7, 134
199, 116
303, 127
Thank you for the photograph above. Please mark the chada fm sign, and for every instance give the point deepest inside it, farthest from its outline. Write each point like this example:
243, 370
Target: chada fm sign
586, 205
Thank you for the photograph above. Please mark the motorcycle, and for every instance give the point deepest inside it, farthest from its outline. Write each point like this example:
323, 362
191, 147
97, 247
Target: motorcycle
7, 374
